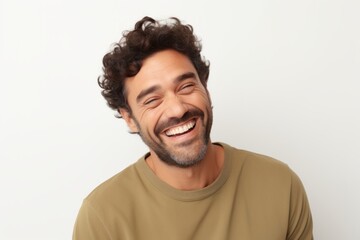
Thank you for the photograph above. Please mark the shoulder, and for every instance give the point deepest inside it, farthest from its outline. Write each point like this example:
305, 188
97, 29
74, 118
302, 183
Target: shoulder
263, 173
258, 172
110, 198
260, 163
116, 189
268, 183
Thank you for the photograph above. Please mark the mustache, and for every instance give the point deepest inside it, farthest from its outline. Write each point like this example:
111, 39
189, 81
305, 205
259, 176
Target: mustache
174, 121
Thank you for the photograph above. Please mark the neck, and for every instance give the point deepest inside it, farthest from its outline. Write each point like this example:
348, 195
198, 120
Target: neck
190, 178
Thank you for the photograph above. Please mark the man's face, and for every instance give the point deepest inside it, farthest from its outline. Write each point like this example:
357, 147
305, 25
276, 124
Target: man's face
170, 108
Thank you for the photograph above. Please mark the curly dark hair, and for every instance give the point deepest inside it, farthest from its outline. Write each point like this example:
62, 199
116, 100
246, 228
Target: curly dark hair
149, 36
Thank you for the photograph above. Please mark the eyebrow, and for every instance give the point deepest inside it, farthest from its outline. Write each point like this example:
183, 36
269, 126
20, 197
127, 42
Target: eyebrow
154, 88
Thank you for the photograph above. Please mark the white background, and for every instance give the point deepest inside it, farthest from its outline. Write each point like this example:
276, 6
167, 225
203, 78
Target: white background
284, 82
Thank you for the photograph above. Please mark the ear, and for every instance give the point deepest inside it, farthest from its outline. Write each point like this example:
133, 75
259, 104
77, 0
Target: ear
126, 115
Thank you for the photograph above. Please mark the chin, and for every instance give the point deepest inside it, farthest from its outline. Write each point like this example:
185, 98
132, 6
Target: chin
188, 158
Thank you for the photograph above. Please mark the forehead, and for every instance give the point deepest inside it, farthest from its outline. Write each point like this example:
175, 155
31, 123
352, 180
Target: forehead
160, 69
165, 60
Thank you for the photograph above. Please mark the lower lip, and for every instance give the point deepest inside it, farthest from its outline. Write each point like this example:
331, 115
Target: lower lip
186, 135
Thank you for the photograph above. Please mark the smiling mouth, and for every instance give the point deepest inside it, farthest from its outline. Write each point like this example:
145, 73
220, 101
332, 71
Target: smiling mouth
175, 131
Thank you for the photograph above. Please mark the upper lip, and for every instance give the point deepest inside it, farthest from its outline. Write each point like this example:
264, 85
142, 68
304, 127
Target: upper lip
178, 125
163, 126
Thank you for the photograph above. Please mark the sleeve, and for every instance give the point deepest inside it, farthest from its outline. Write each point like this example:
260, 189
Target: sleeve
300, 219
89, 226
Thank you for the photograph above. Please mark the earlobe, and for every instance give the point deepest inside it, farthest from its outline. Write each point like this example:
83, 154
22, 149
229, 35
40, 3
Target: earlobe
126, 115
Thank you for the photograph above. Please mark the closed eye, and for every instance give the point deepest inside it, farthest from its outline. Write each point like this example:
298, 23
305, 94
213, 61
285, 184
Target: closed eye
151, 101
187, 88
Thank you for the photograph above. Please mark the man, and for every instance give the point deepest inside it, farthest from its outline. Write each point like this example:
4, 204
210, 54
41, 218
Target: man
186, 187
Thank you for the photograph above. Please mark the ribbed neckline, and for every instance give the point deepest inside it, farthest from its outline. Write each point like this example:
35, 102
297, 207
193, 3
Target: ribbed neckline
181, 195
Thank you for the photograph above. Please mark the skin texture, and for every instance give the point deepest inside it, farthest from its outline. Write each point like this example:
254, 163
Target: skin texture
171, 111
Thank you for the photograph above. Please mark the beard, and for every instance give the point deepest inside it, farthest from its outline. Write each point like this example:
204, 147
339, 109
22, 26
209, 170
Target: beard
185, 154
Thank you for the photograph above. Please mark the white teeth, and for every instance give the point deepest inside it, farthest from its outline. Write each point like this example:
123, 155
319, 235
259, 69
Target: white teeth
180, 129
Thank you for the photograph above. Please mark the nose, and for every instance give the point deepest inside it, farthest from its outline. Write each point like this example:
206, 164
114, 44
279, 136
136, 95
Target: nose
174, 107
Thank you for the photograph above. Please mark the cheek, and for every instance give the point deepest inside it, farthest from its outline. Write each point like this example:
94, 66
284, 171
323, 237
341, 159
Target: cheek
149, 120
204, 100
146, 116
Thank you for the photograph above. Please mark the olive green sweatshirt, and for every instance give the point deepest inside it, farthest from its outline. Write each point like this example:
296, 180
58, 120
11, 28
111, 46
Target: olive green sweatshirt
254, 198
